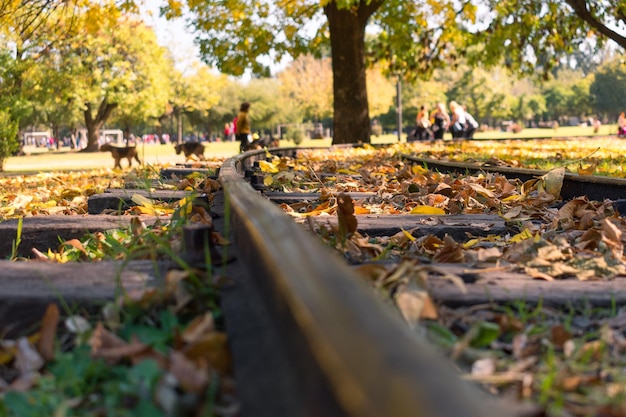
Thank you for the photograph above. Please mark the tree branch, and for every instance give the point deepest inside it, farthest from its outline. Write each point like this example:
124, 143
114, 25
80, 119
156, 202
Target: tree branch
581, 10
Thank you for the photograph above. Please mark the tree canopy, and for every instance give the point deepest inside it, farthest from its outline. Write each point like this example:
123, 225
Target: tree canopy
406, 40
412, 38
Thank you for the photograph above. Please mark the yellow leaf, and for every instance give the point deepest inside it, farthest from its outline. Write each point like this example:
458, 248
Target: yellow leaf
427, 210
528, 186
142, 201
347, 171
470, 243
268, 167
523, 235
409, 235
69, 194
512, 198
185, 203
268, 180
418, 169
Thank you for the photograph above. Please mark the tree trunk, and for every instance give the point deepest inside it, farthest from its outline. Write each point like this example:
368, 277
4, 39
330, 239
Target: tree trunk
179, 125
351, 122
93, 124
55, 135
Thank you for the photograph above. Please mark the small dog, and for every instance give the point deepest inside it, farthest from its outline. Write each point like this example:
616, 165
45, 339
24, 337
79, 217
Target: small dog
190, 148
118, 153
266, 141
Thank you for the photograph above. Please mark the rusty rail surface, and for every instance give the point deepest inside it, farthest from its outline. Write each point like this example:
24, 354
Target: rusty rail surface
354, 356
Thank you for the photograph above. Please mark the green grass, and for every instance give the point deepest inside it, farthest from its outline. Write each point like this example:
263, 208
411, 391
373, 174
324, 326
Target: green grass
43, 160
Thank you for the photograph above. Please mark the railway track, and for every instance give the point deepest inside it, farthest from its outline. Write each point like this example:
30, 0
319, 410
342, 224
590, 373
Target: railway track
308, 333
350, 343
353, 357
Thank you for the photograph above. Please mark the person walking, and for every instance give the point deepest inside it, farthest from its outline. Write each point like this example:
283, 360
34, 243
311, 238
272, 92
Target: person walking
440, 120
243, 128
457, 120
422, 125
470, 124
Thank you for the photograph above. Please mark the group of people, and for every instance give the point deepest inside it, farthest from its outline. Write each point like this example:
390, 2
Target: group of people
433, 125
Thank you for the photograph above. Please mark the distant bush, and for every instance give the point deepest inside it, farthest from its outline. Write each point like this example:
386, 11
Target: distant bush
295, 135
9, 142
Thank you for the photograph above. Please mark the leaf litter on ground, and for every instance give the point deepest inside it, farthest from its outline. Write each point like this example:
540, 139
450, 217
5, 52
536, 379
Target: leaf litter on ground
158, 351
564, 361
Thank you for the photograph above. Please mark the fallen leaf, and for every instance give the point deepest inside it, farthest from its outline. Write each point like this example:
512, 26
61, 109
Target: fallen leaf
212, 347
198, 327
414, 304
428, 210
588, 170
49, 325
552, 181
192, 376
345, 215
27, 359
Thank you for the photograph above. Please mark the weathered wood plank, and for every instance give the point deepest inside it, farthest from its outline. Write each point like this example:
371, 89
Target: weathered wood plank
289, 198
501, 286
121, 199
457, 226
26, 288
44, 232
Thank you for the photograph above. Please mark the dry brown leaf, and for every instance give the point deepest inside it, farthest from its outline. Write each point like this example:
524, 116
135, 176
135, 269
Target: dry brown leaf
199, 214
345, 215
371, 272
552, 181
414, 304
574, 382
612, 237
444, 189
137, 226
40, 256
513, 212
479, 189
218, 239
108, 346
192, 376
76, 244
588, 170
451, 252
49, 325
559, 335
25, 382
198, 327
27, 359
211, 185
212, 347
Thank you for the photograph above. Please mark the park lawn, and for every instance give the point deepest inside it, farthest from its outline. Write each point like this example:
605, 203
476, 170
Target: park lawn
41, 159
44, 160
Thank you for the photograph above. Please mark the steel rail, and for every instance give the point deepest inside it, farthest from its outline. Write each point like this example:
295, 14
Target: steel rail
356, 357
502, 138
595, 187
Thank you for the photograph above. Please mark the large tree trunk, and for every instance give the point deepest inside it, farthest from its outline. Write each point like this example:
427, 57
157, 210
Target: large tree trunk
351, 122
93, 124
